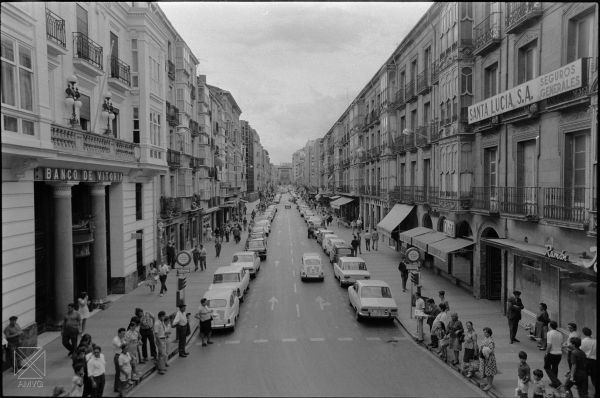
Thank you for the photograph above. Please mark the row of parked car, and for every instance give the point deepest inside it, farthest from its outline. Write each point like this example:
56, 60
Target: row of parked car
231, 283
369, 298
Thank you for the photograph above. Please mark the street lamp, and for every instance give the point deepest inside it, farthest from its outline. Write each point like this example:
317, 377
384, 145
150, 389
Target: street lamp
108, 112
72, 99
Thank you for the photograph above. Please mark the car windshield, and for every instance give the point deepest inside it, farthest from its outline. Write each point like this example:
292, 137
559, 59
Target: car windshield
355, 266
256, 235
375, 292
224, 278
312, 261
243, 258
262, 222
216, 303
342, 251
256, 244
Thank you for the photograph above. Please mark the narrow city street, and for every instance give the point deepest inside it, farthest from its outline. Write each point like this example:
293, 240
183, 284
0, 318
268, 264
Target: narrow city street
301, 339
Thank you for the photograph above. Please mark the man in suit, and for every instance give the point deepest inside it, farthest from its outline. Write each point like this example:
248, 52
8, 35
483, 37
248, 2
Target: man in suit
513, 313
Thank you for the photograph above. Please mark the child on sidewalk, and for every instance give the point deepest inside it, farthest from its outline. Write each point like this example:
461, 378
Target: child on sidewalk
524, 376
539, 386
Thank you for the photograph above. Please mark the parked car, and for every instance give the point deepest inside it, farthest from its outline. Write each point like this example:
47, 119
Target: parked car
372, 299
226, 307
232, 276
288, 206
320, 233
265, 224
350, 269
339, 250
315, 222
330, 241
249, 261
259, 246
325, 237
256, 235
311, 267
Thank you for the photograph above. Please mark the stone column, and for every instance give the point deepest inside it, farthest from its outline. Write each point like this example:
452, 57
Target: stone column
99, 273
63, 249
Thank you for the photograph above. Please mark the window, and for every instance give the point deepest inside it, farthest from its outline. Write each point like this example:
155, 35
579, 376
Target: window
575, 165
413, 120
490, 83
527, 57
490, 176
413, 173
136, 125
402, 125
581, 37
155, 128
134, 63
426, 113
84, 112
526, 156
154, 75
402, 174
17, 75
115, 123
163, 189
82, 20
172, 186
138, 201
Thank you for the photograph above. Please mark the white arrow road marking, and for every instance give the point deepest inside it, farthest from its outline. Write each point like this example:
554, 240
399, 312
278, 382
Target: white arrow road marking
373, 338
273, 301
345, 338
322, 302
232, 342
261, 341
317, 339
288, 340
277, 263
298, 310
295, 291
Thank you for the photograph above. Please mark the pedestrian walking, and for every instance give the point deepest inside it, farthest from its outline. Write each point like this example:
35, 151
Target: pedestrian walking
236, 233
217, 247
96, 365
359, 224
146, 333
471, 349
353, 226
329, 220
420, 315
578, 376
487, 358
513, 313
566, 346
553, 354
541, 327
152, 278
217, 232
403, 273
84, 310
375, 239
538, 385
354, 244
77, 382
588, 346
14, 336
368, 239
227, 231
359, 239
202, 257
161, 333
196, 257
442, 296
456, 332
245, 223
162, 274
180, 323
205, 317
71, 327
171, 254
117, 342
523, 376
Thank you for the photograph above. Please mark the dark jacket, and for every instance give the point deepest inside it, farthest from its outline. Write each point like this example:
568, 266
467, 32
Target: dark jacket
514, 308
403, 270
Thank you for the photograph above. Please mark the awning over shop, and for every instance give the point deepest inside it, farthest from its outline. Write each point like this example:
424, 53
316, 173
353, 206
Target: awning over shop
211, 210
394, 218
407, 236
340, 202
243, 201
318, 196
421, 241
335, 197
443, 247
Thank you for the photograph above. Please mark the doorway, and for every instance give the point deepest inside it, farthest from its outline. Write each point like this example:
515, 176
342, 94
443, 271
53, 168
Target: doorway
491, 261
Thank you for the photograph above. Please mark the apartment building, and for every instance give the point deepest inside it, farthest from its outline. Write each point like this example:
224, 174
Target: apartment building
476, 143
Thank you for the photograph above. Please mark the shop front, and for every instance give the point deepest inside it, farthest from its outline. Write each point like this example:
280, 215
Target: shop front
345, 208
564, 281
393, 223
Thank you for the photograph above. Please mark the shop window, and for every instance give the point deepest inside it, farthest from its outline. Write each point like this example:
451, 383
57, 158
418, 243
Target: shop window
138, 201
526, 64
578, 294
528, 280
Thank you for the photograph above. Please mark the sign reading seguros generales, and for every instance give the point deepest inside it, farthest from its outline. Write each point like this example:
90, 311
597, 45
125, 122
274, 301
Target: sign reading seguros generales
561, 80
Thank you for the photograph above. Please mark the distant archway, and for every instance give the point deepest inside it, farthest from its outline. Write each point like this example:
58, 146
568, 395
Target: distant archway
426, 222
440, 225
463, 230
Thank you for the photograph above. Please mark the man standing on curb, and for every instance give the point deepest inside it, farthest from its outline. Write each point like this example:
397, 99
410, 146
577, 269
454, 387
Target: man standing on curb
180, 323
403, 273
13, 335
553, 354
514, 315
196, 257
202, 258
375, 239
420, 315
117, 342
146, 332
161, 334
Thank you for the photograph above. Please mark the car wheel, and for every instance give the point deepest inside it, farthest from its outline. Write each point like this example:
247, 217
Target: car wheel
341, 283
358, 317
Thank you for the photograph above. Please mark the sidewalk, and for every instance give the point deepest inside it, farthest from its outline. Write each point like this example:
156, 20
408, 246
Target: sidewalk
103, 326
383, 265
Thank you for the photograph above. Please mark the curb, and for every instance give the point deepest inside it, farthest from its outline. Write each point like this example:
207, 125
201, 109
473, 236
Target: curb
473, 381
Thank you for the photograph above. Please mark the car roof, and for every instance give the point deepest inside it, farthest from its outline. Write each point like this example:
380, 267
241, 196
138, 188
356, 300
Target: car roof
219, 292
310, 255
372, 282
261, 239
245, 252
342, 245
353, 259
229, 269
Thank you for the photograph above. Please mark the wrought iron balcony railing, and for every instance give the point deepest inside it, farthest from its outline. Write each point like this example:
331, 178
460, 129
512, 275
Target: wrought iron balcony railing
519, 14
435, 72
519, 200
411, 93
567, 204
120, 70
400, 97
55, 29
171, 71
423, 82
487, 33
173, 158
87, 49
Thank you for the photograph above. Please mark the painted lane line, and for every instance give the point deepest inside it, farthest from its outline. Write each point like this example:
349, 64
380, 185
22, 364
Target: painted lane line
295, 291
317, 339
288, 340
232, 342
373, 338
344, 338
261, 341
298, 310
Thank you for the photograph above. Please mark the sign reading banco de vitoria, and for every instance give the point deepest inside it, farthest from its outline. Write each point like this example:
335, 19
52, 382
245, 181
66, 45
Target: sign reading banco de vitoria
60, 174
561, 80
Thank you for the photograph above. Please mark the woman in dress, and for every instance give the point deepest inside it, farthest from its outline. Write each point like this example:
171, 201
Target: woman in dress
84, 310
456, 332
471, 348
125, 368
132, 341
152, 277
487, 358
541, 327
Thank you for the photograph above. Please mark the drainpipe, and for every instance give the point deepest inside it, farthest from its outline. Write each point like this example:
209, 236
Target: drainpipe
506, 132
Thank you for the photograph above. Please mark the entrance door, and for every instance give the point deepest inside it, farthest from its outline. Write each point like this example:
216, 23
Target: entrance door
494, 272
139, 254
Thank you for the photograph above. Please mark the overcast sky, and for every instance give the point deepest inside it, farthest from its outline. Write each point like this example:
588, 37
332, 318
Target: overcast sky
293, 68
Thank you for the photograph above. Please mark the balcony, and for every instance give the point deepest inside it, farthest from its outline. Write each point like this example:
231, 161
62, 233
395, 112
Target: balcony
196, 163
407, 194
451, 200
398, 146
519, 15
423, 136
567, 205
174, 206
580, 95
435, 72
87, 54
411, 94
171, 72
487, 34
90, 145
434, 131
522, 201
56, 34
120, 74
421, 194
173, 115
485, 199
409, 142
423, 82
400, 98
173, 158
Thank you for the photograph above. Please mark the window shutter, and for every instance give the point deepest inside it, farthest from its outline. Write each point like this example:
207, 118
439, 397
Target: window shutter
84, 111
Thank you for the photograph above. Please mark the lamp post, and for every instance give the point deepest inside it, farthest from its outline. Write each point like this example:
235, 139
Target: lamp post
72, 100
108, 112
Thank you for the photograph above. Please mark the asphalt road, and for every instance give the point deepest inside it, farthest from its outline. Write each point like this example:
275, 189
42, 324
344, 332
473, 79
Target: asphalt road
301, 339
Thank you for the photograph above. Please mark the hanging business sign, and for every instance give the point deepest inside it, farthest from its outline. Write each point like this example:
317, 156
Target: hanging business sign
561, 80
550, 252
449, 228
77, 175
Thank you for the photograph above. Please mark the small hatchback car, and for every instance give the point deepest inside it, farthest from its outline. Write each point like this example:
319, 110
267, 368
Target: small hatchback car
311, 267
225, 307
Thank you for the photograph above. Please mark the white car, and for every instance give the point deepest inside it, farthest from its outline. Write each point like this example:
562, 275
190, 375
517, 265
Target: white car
321, 232
233, 277
249, 260
225, 306
330, 242
372, 299
264, 223
315, 222
350, 269
327, 236
311, 267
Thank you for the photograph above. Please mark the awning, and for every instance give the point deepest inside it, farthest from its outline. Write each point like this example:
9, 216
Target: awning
407, 236
340, 202
394, 218
442, 248
335, 197
421, 241
211, 210
243, 201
